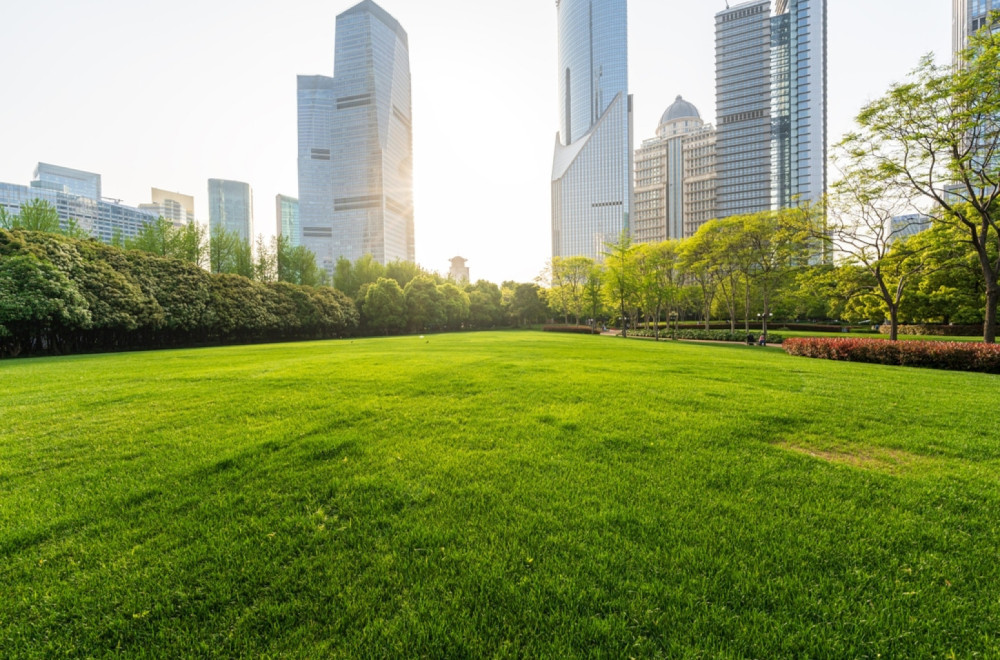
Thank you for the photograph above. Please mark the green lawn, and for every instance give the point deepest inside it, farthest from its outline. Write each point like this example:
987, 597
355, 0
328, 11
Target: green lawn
510, 494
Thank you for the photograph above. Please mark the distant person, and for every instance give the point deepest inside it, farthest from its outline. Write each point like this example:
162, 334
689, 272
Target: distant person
749, 339
763, 340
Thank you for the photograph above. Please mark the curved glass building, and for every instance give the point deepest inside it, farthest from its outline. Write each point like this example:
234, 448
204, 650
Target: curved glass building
591, 172
356, 144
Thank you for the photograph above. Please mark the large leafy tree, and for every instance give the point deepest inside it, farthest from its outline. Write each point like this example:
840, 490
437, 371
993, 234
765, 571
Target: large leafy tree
424, 304
620, 284
938, 135
568, 281
385, 305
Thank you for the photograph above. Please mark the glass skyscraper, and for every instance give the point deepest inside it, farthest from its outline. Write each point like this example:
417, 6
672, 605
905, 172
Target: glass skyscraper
230, 205
287, 211
591, 172
968, 16
743, 108
771, 105
356, 144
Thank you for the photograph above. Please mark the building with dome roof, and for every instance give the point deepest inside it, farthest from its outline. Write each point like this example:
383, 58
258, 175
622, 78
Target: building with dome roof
659, 211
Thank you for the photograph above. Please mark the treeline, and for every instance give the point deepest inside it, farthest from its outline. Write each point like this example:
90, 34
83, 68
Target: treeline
753, 270
65, 295
60, 294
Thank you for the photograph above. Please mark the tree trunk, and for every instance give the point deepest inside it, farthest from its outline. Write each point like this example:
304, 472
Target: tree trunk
893, 322
990, 324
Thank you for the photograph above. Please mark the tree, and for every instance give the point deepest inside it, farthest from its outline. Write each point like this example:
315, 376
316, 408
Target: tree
297, 265
526, 303
424, 304
697, 256
593, 292
569, 278
620, 283
455, 304
485, 304
265, 265
385, 305
938, 135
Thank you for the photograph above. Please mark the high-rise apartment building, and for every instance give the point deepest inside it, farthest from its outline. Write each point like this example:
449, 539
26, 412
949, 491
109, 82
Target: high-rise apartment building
172, 206
230, 206
356, 144
287, 216
592, 165
658, 212
771, 105
968, 16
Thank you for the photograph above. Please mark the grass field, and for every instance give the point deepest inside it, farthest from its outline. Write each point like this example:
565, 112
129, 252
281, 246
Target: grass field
510, 494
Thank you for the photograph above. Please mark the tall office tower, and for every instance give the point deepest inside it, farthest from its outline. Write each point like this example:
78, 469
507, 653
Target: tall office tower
743, 108
175, 207
67, 180
230, 206
591, 171
771, 105
356, 144
968, 16
287, 212
699, 179
658, 213
798, 102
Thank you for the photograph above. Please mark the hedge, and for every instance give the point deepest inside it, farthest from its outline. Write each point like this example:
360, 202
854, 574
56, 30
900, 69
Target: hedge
756, 325
955, 356
936, 330
578, 329
709, 335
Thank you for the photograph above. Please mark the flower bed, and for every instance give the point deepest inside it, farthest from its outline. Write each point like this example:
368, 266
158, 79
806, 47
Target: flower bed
955, 356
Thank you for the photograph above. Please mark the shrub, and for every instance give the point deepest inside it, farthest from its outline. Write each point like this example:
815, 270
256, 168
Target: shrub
579, 329
709, 335
936, 330
956, 356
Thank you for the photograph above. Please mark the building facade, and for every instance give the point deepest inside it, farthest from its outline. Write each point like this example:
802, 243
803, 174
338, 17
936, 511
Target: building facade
287, 215
105, 220
658, 212
459, 271
968, 16
771, 97
699, 179
230, 207
743, 108
67, 180
592, 190
355, 152
172, 206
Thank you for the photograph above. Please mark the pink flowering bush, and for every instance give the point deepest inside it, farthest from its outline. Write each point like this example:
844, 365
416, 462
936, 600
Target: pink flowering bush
956, 356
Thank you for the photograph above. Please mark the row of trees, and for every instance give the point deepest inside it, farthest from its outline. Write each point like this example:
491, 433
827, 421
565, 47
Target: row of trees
60, 294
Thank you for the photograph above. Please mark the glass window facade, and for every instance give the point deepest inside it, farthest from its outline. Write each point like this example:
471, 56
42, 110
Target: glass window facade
287, 212
356, 145
592, 164
230, 205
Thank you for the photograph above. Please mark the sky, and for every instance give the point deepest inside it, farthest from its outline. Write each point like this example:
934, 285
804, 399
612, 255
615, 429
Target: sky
170, 94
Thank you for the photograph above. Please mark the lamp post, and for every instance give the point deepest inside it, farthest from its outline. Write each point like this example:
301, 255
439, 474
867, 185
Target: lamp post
673, 319
763, 324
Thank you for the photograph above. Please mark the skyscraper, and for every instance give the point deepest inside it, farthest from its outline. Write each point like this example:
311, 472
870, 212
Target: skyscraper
743, 108
287, 211
356, 144
658, 213
968, 16
230, 206
798, 102
771, 105
591, 171
172, 206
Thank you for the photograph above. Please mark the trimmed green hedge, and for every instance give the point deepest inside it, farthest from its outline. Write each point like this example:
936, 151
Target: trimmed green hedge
709, 335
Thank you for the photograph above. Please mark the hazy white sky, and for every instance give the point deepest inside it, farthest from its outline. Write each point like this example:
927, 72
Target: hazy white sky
170, 94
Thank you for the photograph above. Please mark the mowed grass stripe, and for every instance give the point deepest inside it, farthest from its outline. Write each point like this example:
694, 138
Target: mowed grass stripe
497, 494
